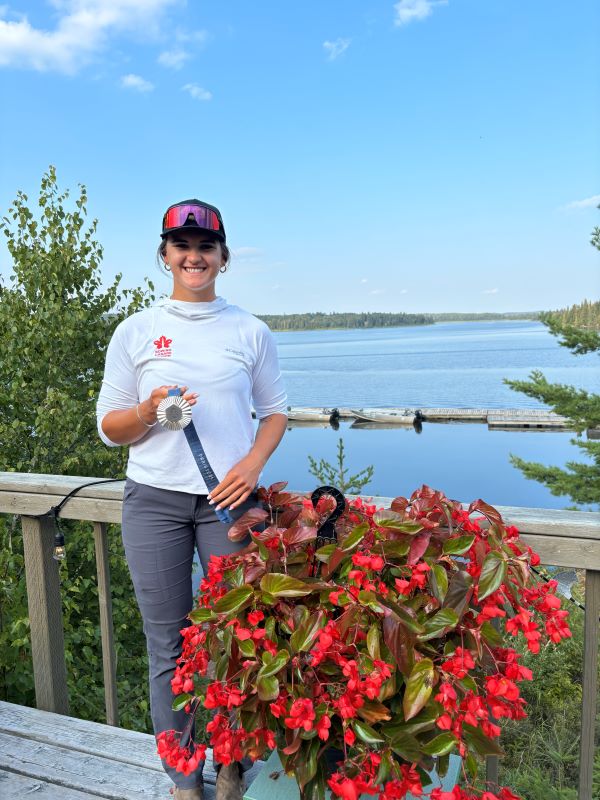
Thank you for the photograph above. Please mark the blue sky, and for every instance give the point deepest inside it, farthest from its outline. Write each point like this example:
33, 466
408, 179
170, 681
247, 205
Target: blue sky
366, 156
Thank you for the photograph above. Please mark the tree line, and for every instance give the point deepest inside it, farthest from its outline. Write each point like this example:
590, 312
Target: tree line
581, 315
318, 320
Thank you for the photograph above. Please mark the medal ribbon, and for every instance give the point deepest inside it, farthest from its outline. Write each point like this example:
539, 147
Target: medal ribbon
207, 472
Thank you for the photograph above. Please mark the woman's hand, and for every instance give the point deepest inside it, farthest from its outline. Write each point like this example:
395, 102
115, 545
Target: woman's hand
147, 408
132, 424
238, 484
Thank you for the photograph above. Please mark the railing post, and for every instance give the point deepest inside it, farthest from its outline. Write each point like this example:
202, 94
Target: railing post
109, 664
590, 683
45, 615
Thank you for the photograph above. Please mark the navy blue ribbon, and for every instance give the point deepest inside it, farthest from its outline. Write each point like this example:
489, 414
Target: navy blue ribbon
207, 472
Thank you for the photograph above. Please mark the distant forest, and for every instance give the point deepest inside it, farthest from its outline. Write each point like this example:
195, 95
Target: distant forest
582, 315
319, 320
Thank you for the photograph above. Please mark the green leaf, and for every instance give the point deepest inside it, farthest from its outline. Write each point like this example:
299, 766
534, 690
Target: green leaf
355, 537
493, 572
437, 625
369, 599
280, 585
459, 592
386, 518
324, 553
181, 701
366, 733
438, 581
395, 548
406, 746
267, 688
441, 745
418, 688
234, 600
200, 615
458, 545
247, 648
491, 635
373, 641
274, 666
477, 740
305, 635
405, 614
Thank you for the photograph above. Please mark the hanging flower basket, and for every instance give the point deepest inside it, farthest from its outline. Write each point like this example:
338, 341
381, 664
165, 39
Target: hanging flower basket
380, 653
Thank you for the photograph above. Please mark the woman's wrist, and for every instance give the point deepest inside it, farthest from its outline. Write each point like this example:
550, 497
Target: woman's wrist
145, 415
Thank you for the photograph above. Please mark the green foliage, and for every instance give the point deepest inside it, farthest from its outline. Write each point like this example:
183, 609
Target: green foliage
56, 320
336, 475
578, 329
318, 320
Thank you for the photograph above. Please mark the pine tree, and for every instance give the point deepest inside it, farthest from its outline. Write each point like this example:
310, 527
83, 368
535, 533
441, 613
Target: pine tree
580, 481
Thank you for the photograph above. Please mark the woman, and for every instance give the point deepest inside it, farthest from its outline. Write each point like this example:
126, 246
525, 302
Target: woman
224, 360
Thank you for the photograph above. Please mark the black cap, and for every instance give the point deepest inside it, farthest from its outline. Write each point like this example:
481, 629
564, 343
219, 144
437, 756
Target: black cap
190, 214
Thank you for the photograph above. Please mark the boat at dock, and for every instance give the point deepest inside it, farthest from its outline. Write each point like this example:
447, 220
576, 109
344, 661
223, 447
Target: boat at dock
395, 416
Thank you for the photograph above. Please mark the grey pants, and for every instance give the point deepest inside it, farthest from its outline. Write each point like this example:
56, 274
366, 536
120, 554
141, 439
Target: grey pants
161, 530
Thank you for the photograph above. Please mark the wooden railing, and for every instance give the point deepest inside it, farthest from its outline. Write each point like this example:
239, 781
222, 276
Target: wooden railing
562, 538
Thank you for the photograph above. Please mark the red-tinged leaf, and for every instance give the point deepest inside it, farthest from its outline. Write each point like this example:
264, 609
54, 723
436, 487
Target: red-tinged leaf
458, 545
279, 486
399, 504
305, 767
374, 711
288, 517
276, 664
400, 643
489, 512
493, 573
459, 592
242, 527
404, 613
491, 635
396, 548
234, 600
333, 563
281, 499
280, 585
418, 546
324, 553
254, 572
441, 745
299, 533
347, 620
306, 634
418, 688
294, 746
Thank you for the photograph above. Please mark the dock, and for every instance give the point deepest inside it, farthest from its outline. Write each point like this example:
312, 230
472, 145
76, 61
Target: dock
495, 418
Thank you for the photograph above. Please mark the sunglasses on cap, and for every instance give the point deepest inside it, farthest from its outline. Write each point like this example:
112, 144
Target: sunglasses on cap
193, 214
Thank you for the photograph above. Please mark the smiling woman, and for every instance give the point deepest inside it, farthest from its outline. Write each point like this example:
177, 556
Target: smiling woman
180, 495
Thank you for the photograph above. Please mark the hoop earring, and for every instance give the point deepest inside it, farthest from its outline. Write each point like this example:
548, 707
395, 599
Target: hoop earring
167, 267
223, 269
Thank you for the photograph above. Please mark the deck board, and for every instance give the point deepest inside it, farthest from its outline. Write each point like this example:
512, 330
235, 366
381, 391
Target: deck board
56, 756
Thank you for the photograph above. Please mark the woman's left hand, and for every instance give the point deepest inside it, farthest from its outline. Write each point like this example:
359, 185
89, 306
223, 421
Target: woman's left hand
237, 485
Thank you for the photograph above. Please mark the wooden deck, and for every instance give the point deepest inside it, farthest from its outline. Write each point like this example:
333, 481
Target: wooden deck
46, 755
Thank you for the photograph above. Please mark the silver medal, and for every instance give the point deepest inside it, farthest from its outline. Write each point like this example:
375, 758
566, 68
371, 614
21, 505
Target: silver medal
174, 413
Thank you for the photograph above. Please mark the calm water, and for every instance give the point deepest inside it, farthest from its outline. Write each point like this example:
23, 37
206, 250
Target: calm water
451, 365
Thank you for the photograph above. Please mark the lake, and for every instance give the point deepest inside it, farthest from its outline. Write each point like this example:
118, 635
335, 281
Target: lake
459, 364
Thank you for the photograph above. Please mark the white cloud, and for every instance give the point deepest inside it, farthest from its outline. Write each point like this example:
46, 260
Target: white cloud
589, 202
490, 291
83, 29
136, 82
197, 92
364, 280
176, 57
411, 10
335, 49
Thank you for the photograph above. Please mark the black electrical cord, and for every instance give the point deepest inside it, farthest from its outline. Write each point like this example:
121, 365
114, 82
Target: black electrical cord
572, 599
53, 514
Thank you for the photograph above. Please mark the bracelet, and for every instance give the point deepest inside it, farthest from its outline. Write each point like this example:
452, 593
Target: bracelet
137, 411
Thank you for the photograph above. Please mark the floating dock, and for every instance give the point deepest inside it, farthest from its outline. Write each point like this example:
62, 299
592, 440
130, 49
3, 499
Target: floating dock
495, 418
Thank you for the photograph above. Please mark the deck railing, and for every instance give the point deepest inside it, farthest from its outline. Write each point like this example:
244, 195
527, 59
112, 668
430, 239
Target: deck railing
562, 538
